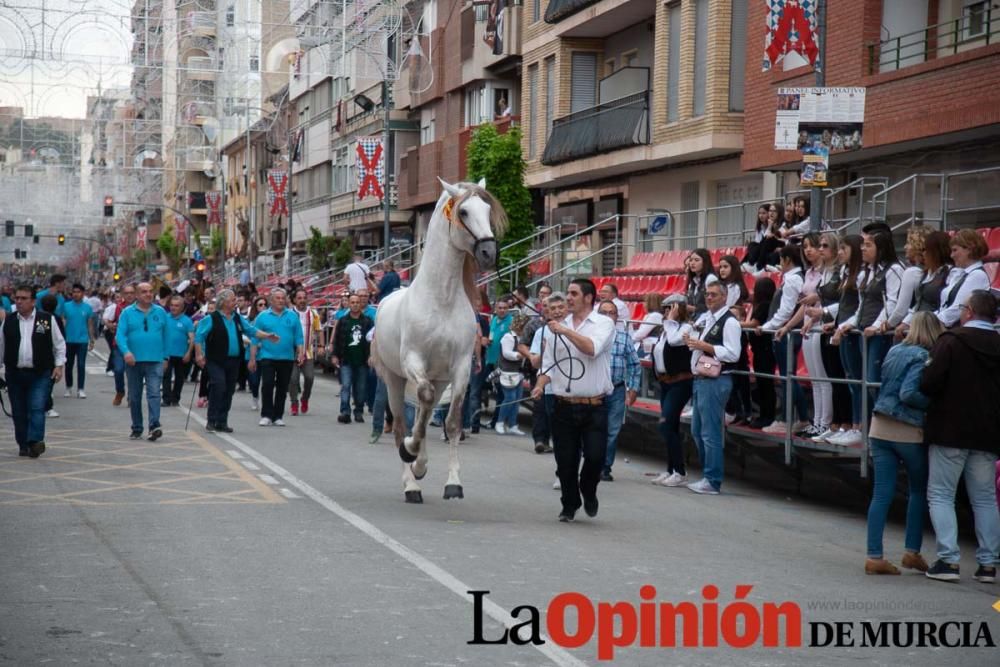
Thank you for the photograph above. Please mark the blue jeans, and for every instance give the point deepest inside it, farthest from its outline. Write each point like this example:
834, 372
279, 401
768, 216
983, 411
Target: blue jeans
117, 362
473, 396
878, 347
673, 398
850, 358
710, 396
886, 455
353, 381
28, 390
149, 373
253, 379
76, 352
798, 395
616, 416
381, 403
370, 388
947, 465
508, 413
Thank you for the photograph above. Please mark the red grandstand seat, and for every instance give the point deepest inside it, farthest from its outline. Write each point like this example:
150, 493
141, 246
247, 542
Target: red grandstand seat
639, 311
993, 241
749, 281
676, 261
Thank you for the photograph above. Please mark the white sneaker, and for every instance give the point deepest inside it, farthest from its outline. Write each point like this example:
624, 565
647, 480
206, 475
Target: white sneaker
513, 430
264, 421
110, 374
687, 412
704, 487
67, 394
771, 268
557, 485
730, 418
52, 413
254, 405
851, 438
748, 267
775, 428
81, 394
660, 478
675, 480
279, 422
500, 429
826, 435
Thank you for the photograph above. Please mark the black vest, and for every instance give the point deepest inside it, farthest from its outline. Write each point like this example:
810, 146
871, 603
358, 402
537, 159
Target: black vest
715, 335
510, 365
217, 340
872, 296
695, 293
829, 288
928, 294
676, 359
42, 352
849, 298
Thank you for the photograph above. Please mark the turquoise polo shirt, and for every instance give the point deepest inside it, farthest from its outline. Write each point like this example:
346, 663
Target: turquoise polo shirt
287, 326
144, 334
77, 317
205, 327
368, 310
60, 300
178, 329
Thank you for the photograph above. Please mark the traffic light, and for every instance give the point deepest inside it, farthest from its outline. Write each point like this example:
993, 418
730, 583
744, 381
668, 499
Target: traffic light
117, 276
200, 266
109, 207
62, 239
29, 231
10, 227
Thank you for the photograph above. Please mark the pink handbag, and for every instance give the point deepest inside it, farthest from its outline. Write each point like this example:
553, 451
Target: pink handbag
708, 367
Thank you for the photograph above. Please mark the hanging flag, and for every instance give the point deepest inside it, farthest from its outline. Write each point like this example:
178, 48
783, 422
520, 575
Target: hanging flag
213, 200
370, 167
140, 238
792, 26
277, 183
181, 230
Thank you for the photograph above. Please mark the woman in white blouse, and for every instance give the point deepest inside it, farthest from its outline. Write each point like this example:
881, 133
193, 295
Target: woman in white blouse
967, 250
672, 365
649, 330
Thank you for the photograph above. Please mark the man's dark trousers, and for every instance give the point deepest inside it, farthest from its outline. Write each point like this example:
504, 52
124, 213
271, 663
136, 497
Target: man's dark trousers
28, 390
173, 380
274, 377
222, 377
579, 428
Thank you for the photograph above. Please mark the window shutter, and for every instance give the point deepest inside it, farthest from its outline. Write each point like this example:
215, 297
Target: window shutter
737, 55
673, 62
700, 56
583, 87
550, 96
532, 109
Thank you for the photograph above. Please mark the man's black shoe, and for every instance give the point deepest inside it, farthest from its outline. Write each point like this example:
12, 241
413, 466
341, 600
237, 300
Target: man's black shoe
210, 427
359, 418
135, 435
942, 571
36, 449
607, 477
986, 575
475, 428
23, 452
567, 517
155, 433
590, 507
223, 428
344, 419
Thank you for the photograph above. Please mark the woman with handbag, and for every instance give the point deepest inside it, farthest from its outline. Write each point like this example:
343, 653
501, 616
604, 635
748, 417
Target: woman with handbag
510, 363
897, 435
672, 366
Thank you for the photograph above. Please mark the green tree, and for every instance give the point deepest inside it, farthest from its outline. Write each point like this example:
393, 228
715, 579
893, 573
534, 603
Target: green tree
497, 158
319, 248
216, 243
171, 250
342, 255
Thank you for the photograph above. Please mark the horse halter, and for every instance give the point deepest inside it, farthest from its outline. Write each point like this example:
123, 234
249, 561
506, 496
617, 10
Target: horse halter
488, 243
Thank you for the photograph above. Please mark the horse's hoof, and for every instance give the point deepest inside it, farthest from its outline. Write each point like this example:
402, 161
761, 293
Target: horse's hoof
405, 455
415, 475
414, 497
453, 491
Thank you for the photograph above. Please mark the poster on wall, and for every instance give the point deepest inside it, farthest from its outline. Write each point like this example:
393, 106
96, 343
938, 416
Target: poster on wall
815, 164
496, 17
833, 116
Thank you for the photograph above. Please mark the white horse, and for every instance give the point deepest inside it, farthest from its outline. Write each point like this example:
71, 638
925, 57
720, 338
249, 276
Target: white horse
426, 333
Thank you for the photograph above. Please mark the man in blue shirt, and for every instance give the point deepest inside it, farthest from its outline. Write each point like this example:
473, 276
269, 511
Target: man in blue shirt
626, 376
180, 343
276, 356
57, 285
219, 348
80, 336
142, 339
390, 280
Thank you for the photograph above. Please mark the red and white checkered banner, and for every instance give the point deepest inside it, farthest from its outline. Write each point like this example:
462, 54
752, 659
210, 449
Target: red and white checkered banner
213, 200
370, 167
277, 184
140, 238
791, 27
181, 232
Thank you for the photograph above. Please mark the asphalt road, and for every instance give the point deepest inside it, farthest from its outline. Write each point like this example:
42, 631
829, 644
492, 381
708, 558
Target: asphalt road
293, 546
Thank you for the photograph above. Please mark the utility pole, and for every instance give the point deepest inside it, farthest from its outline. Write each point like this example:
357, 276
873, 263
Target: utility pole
248, 175
288, 200
386, 139
816, 192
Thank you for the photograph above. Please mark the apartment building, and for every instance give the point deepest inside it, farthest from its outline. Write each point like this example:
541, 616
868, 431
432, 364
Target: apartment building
635, 107
931, 74
464, 71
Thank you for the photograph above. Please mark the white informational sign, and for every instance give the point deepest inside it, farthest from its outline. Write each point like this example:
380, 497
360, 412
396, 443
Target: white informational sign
831, 116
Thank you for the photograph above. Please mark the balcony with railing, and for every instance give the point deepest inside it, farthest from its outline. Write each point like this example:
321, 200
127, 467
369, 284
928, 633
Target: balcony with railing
620, 122
557, 10
201, 158
978, 26
201, 68
201, 23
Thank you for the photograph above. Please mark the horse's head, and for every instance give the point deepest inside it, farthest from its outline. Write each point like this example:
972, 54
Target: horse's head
478, 216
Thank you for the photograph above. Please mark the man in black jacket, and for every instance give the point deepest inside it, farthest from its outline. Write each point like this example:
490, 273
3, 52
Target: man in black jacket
350, 351
963, 430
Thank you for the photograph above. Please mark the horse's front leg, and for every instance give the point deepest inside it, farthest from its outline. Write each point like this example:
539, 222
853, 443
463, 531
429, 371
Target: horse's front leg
453, 427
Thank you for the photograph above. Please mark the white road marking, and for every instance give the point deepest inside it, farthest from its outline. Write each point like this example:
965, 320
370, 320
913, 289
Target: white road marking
234, 454
249, 464
556, 654
267, 479
288, 493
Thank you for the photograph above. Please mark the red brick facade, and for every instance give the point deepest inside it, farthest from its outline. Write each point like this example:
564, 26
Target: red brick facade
945, 94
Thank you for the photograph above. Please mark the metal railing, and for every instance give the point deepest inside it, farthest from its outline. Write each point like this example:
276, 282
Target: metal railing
948, 194
978, 27
605, 127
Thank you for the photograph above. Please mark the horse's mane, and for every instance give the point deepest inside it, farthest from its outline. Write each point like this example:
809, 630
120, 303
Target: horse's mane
498, 216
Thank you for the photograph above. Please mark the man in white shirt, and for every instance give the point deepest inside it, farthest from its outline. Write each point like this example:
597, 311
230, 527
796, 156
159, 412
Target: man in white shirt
32, 354
312, 336
578, 366
610, 293
357, 273
719, 337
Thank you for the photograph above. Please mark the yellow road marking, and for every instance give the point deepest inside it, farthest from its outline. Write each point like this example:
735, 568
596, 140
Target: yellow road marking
262, 488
